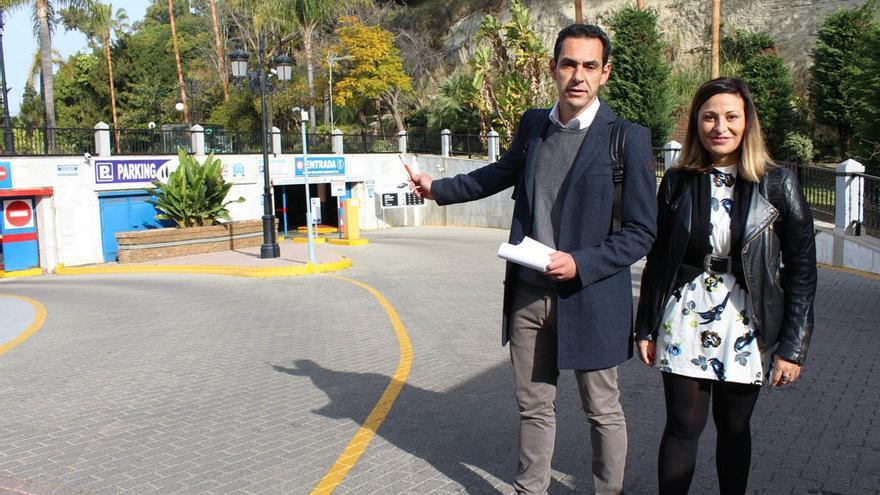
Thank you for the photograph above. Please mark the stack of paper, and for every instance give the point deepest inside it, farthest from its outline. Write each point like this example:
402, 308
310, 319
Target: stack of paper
529, 253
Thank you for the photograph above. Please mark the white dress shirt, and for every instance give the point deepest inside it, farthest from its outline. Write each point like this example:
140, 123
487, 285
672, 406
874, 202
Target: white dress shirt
580, 121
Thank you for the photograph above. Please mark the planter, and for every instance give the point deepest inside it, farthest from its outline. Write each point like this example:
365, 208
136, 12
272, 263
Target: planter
156, 244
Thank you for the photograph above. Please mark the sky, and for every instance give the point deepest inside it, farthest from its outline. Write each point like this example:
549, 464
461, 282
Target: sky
20, 44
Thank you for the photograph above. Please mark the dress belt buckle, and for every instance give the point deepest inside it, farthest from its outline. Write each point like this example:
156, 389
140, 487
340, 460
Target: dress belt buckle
715, 265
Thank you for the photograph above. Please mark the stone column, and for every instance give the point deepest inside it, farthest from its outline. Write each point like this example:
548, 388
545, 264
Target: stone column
338, 146
276, 140
197, 137
401, 141
849, 195
493, 146
445, 142
671, 152
102, 139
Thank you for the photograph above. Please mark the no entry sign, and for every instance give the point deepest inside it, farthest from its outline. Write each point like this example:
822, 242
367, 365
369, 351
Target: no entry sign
5, 175
17, 214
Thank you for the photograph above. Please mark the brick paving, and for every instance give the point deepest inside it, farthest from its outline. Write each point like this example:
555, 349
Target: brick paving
165, 383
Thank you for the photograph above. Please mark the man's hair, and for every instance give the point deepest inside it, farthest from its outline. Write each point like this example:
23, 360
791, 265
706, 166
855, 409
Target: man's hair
754, 158
583, 31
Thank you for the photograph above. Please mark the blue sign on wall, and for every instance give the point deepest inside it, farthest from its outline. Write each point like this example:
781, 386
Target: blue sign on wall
116, 171
5, 175
321, 165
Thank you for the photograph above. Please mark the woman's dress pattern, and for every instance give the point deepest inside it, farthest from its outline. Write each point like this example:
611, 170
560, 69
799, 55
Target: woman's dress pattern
707, 329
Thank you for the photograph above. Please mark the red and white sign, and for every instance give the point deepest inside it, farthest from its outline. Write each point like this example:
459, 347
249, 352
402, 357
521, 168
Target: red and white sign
3, 173
17, 214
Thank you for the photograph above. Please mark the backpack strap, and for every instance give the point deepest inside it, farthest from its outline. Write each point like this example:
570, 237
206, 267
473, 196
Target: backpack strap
617, 142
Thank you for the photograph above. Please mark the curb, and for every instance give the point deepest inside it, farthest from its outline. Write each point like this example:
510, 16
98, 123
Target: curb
281, 271
32, 272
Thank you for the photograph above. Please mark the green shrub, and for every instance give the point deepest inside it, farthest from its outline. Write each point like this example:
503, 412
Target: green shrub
639, 89
194, 194
796, 147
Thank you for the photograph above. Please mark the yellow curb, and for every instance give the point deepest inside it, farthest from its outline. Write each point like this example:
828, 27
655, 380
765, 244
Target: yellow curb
36, 324
851, 271
31, 272
348, 242
238, 271
320, 230
358, 444
303, 240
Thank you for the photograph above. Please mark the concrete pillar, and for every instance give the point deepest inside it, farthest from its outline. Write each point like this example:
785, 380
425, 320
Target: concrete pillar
849, 194
671, 152
276, 140
338, 146
493, 146
102, 139
445, 142
197, 137
401, 141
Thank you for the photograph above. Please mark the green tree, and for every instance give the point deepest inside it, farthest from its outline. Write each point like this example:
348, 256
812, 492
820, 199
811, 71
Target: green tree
43, 11
839, 56
375, 70
866, 142
753, 57
640, 88
195, 193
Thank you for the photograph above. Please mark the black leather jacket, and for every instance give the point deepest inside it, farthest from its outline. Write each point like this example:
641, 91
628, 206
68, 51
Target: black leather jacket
781, 288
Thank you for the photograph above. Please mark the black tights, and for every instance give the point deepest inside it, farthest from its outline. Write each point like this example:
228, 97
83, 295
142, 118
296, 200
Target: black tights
687, 409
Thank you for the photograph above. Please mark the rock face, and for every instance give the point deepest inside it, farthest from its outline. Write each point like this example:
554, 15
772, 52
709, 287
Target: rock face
686, 23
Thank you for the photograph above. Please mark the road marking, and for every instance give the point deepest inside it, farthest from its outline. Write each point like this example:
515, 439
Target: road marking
365, 433
36, 323
239, 271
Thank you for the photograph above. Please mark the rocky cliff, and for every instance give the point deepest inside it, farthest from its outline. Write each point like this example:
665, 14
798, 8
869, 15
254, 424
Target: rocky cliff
686, 24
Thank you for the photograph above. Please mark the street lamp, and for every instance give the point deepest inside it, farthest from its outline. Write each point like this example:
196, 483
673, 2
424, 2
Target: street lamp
330, 59
257, 81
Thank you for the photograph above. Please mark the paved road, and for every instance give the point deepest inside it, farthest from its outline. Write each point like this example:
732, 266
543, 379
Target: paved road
211, 384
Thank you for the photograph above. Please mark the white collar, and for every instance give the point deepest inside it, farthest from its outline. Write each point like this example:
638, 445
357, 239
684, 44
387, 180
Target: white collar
580, 121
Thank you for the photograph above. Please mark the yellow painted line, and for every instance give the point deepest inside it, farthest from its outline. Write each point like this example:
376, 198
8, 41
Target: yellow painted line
365, 433
348, 242
36, 324
851, 271
239, 271
21, 273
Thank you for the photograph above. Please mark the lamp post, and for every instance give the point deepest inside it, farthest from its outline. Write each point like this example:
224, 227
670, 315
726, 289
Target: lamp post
258, 81
8, 141
330, 59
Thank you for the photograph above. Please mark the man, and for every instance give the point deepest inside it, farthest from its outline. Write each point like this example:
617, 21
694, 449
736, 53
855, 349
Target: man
578, 313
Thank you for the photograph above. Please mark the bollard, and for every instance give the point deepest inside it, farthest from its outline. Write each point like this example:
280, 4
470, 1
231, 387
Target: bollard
401, 141
197, 138
338, 146
445, 142
102, 139
276, 140
493, 146
849, 196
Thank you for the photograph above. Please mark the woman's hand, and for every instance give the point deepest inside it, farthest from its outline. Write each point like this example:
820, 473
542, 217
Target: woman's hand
784, 372
646, 351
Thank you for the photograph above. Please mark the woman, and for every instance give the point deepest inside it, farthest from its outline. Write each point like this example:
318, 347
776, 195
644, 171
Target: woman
717, 307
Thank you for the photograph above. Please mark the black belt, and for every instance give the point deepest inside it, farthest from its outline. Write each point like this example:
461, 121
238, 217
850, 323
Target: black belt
712, 264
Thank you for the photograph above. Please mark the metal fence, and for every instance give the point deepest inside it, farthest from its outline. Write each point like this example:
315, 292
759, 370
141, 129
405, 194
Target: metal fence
233, 142
819, 186
149, 141
316, 143
367, 143
870, 202
422, 141
38, 141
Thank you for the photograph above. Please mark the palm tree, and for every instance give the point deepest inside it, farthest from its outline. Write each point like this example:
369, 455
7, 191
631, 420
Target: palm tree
177, 61
716, 38
221, 61
98, 22
43, 13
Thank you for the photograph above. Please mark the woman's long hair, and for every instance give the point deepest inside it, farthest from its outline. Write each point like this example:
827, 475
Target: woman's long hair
754, 158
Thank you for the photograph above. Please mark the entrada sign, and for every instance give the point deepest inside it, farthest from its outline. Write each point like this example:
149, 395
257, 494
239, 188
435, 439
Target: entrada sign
116, 171
321, 165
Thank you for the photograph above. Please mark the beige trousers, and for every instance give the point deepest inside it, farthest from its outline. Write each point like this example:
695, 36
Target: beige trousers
533, 355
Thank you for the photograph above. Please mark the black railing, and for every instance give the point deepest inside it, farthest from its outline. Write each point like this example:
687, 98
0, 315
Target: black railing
38, 141
469, 144
819, 186
424, 142
369, 143
870, 202
234, 142
149, 141
316, 143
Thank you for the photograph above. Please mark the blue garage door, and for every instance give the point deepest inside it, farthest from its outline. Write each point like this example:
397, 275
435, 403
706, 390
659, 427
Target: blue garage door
121, 212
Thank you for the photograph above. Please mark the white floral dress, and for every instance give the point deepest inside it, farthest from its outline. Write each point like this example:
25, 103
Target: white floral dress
707, 329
